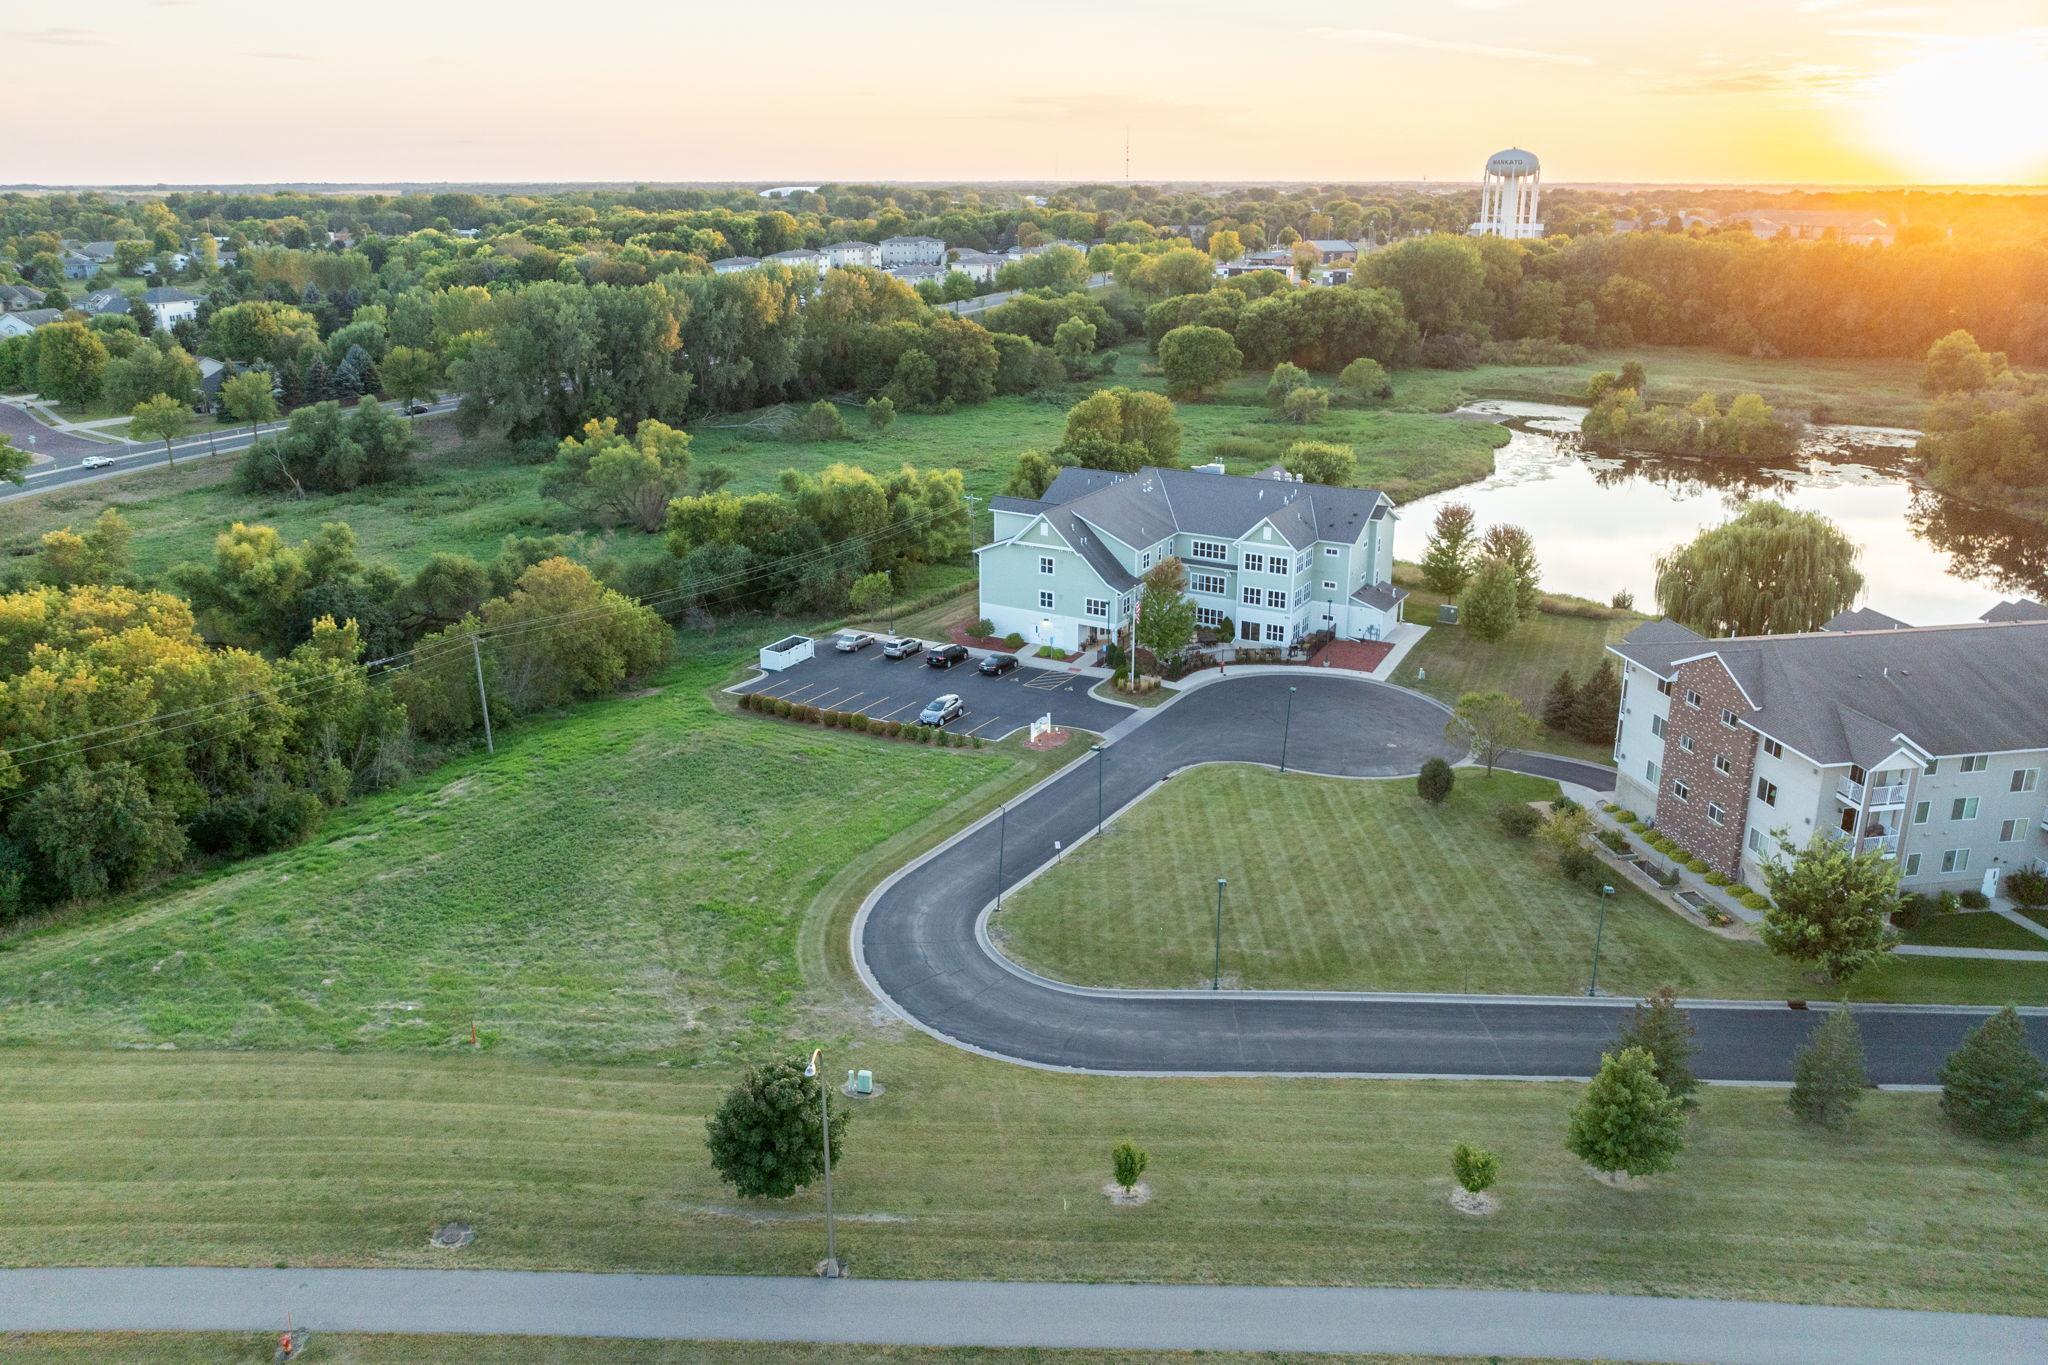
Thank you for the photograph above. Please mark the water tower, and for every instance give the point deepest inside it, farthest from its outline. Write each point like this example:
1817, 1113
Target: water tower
1508, 195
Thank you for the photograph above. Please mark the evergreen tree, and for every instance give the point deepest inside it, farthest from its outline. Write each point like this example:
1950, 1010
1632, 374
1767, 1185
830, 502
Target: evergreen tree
1561, 704
1625, 1120
1828, 1076
1433, 784
766, 1138
1991, 1085
1488, 606
1597, 705
1662, 1029
1447, 560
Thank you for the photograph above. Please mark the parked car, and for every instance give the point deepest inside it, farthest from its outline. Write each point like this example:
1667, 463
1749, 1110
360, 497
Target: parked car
942, 709
995, 665
96, 462
851, 640
945, 656
901, 647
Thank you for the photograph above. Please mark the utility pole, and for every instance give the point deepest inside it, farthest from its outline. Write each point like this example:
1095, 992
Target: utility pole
483, 699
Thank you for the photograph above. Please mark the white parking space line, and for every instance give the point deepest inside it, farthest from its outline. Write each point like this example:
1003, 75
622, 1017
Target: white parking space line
819, 700
897, 712
990, 721
792, 696
846, 703
869, 708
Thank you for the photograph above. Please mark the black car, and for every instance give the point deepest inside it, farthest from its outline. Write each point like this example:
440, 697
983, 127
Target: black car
995, 665
945, 656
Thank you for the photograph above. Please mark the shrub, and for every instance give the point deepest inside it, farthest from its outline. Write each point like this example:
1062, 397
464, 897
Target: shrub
1625, 815
1305, 405
1991, 1085
1615, 840
1974, 900
2028, 888
982, 628
1365, 378
1564, 804
1517, 820
1475, 1168
1014, 640
1433, 784
977, 741
1696, 865
767, 1139
1716, 879
1582, 867
1755, 900
1623, 601
1916, 909
1128, 1161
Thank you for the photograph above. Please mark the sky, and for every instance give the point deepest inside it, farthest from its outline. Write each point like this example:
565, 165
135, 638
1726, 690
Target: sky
796, 92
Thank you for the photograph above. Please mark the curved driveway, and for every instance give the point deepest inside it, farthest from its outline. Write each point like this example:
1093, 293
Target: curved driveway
916, 942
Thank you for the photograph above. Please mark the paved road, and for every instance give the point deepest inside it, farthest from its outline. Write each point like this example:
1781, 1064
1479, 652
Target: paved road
969, 1313
897, 689
917, 942
128, 457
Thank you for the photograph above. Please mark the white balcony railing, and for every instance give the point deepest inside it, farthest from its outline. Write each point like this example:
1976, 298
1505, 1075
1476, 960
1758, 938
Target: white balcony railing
1892, 795
1847, 790
1887, 844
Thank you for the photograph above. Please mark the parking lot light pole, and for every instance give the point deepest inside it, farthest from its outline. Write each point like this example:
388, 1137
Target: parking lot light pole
1002, 833
1593, 987
1216, 972
1101, 756
1285, 727
831, 1269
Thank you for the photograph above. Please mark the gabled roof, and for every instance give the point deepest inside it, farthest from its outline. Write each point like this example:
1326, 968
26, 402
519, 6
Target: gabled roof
1852, 696
37, 317
168, 294
2024, 609
1145, 507
1662, 631
851, 241
1864, 618
940, 240
103, 301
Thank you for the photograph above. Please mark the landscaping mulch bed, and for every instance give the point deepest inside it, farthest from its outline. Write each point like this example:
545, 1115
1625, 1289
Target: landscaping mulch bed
1360, 656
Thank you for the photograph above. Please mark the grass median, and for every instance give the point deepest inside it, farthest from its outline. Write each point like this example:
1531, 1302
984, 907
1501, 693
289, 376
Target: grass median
1343, 885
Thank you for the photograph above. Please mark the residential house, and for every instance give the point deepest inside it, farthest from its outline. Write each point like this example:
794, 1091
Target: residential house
22, 323
2021, 609
800, 259
1277, 259
19, 298
103, 303
1334, 251
899, 251
1858, 229
1924, 743
80, 267
171, 305
854, 253
1275, 557
914, 275
979, 266
731, 264
102, 252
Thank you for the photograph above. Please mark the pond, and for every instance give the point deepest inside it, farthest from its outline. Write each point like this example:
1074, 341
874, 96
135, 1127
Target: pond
1600, 523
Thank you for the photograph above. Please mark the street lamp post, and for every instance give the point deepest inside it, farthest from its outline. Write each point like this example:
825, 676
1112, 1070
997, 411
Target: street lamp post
1216, 972
1101, 756
1593, 987
1285, 728
831, 1270
1002, 834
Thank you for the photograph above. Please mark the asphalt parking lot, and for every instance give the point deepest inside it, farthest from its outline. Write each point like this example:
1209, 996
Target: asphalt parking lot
897, 689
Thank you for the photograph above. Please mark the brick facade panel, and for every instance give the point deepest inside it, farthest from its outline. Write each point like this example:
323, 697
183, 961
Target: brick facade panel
1687, 821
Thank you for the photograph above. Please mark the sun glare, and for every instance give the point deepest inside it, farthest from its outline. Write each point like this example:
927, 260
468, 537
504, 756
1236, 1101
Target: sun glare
1965, 113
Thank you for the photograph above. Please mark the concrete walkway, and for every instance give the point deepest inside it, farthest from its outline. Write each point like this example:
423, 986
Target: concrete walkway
969, 1313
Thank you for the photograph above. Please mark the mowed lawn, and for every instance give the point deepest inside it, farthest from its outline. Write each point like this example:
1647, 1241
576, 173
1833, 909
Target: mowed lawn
627, 880
354, 1348
1450, 661
972, 1168
1346, 885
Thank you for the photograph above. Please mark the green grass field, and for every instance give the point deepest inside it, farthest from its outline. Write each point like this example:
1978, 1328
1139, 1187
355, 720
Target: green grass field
1978, 930
1345, 885
626, 882
972, 1168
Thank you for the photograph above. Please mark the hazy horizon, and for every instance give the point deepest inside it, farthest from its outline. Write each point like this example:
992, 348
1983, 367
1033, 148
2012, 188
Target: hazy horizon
1771, 93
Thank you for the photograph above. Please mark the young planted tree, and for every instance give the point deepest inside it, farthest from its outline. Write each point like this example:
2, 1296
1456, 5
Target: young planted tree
1490, 723
1661, 1029
1991, 1085
1475, 1168
1513, 546
766, 1139
1447, 559
1489, 606
1626, 1122
1433, 784
1828, 1078
248, 398
161, 418
1128, 1161
1828, 907
1166, 614
1770, 570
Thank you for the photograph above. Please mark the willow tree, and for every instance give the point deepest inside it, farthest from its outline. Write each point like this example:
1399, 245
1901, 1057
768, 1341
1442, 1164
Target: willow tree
1770, 570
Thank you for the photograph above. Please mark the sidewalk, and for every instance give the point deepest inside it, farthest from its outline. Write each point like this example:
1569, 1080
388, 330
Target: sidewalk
969, 1313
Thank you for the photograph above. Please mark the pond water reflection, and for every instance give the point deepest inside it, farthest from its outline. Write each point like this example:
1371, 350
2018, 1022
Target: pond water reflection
1600, 523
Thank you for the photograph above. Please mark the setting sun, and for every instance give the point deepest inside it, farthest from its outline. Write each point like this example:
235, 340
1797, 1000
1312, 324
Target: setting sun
1966, 112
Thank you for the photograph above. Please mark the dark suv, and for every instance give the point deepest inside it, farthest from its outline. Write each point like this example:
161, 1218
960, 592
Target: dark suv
995, 665
945, 656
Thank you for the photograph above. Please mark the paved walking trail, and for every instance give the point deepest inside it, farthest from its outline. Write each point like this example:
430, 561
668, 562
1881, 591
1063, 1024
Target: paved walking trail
969, 1313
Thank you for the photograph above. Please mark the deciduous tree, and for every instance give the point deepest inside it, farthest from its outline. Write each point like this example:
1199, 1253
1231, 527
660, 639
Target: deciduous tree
1490, 724
1769, 570
162, 418
767, 1138
1198, 359
1321, 462
1447, 558
1122, 429
1828, 906
1490, 606
1626, 1121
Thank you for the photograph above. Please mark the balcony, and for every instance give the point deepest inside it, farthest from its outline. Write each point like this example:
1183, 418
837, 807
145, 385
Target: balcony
1873, 798
1887, 844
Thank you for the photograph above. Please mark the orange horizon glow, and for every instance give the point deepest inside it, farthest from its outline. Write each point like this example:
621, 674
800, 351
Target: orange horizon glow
1755, 92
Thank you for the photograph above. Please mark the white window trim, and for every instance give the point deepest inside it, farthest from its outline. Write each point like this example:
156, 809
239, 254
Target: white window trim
1046, 599
1045, 564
